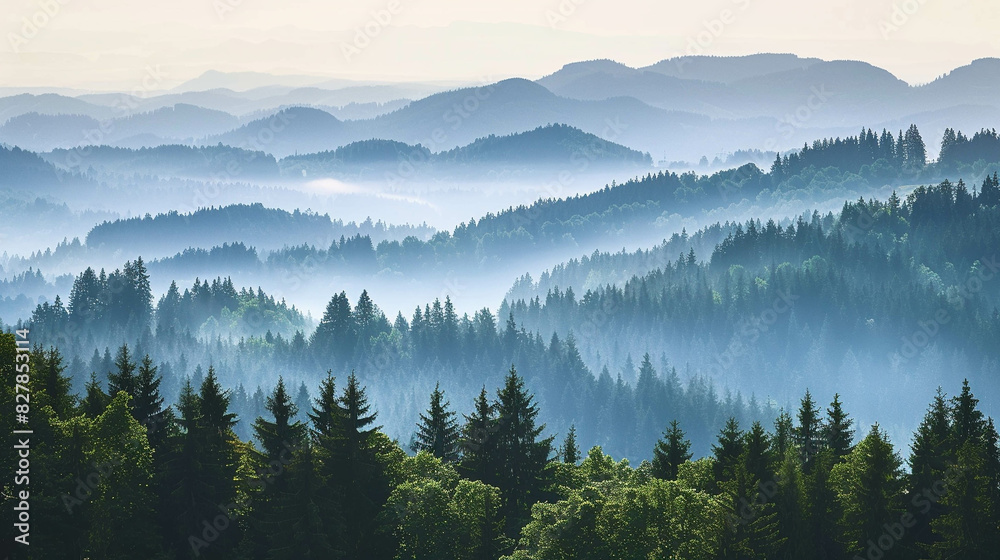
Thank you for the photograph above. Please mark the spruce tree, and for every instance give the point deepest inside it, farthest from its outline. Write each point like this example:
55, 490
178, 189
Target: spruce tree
807, 433
280, 437
869, 487
930, 457
479, 443
570, 451
522, 454
437, 431
671, 451
838, 435
360, 478
783, 433
727, 451
48, 368
147, 407
326, 430
96, 399
123, 378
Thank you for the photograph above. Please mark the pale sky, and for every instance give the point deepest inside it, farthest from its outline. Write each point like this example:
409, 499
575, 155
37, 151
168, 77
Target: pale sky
111, 44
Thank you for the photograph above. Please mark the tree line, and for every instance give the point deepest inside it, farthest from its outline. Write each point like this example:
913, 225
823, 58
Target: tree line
120, 475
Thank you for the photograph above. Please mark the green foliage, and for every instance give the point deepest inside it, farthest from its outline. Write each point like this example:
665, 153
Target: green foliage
437, 431
670, 453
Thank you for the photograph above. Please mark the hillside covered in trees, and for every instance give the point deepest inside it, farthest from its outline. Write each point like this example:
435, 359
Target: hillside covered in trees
137, 478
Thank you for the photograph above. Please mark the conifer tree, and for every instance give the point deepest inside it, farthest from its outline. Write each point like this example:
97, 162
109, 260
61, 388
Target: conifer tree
728, 450
360, 478
930, 456
807, 433
838, 435
280, 437
96, 400
869, 488
570, 451
437, 431
671, 451
48, 368
522, 454
783, 433
147, 407
479, 443
123, 378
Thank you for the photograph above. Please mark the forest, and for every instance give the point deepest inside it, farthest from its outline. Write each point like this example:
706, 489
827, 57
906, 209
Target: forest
214, 413
121, 475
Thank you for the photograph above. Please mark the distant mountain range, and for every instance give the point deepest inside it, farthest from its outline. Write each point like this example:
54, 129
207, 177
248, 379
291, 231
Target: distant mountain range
553, 146
558, 146
677, 109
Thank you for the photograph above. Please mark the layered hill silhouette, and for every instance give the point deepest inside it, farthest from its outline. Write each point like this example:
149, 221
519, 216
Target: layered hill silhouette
676, 109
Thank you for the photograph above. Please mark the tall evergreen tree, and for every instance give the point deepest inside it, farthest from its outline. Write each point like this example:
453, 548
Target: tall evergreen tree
360, 477
807, 433
437, 431
570, 451
123, 378
96, 399
930, 456
671, 451
728, 450
869, 487
522, 454
280, 437
479, 443
147, 407
838, 435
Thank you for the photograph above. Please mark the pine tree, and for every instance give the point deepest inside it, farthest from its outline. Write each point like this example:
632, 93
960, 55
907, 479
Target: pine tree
147, 407
521, 454
838, 435
96, 400
325, 415
930, 457
671, 452
783, 433
279, 438
727, 451
869, 488
807, 433
437, 431
479, 444
570, 451
968, 422
48, 368
757, 456
123, 378
327, 427
360, 478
